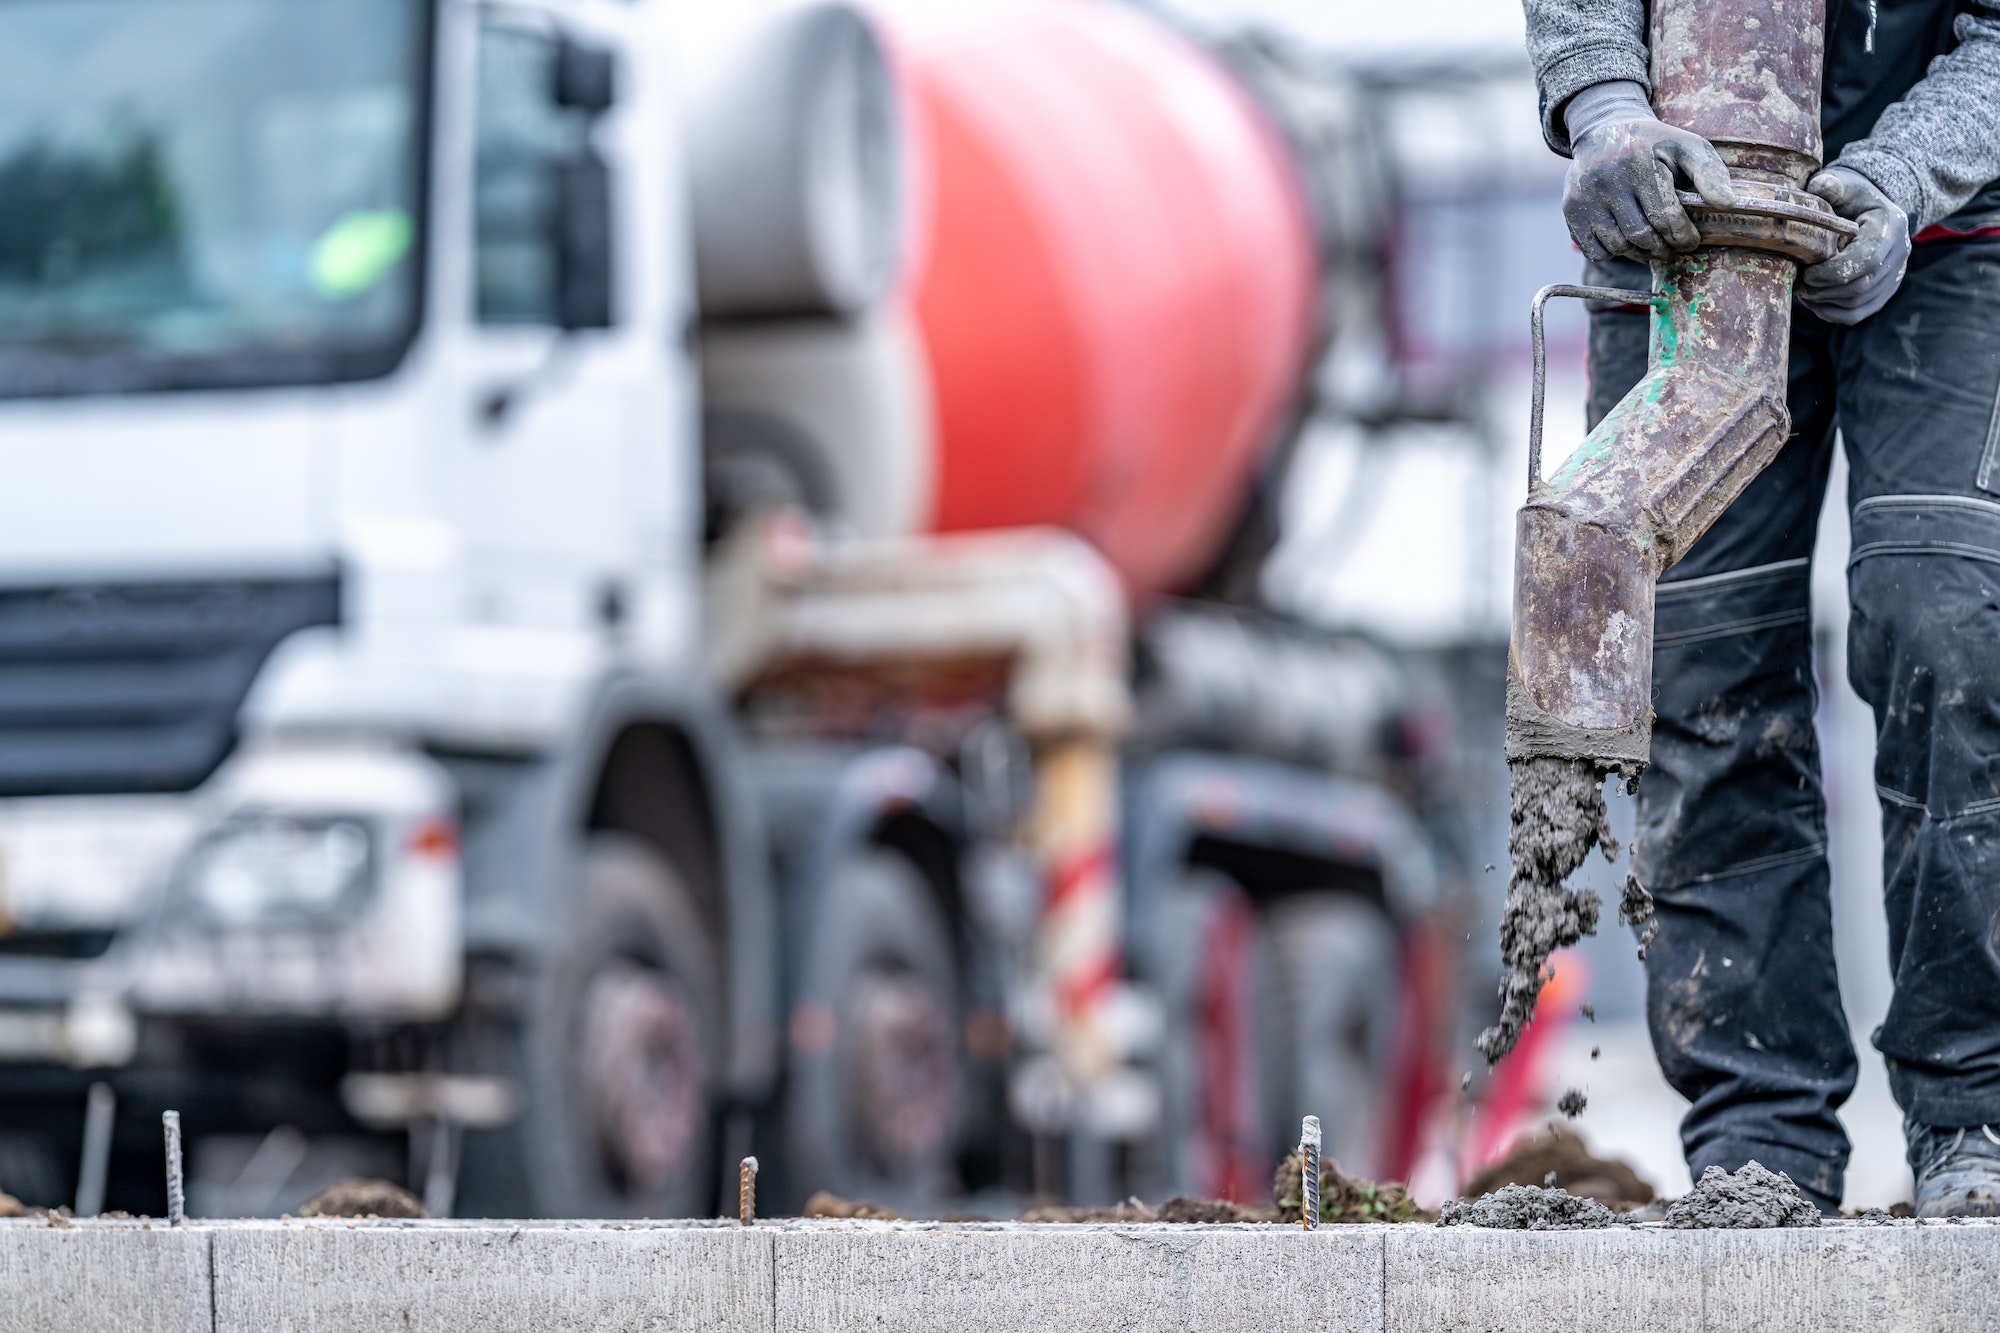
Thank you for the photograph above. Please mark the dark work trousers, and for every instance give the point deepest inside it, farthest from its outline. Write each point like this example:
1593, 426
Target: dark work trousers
1740, 989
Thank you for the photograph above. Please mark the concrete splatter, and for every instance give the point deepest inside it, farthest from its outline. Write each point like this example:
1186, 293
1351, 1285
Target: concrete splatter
1635, 905
1557, 816
1750, 1197
1572, 1102
1527, 1208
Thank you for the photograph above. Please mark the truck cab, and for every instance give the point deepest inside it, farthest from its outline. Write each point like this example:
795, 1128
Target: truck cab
356, 491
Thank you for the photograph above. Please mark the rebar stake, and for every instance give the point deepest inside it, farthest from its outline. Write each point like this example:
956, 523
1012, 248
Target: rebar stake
1309, 1171
100, 1111
176, 1186
746, 1192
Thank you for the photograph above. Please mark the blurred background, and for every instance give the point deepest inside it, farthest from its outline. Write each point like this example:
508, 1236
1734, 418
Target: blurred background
916, 589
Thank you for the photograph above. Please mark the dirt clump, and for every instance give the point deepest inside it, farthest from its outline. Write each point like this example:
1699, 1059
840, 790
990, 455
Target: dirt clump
1527, 1208
59, 1216
1750, 1197
1571, 1103
828, 1204
362, 1198
1537, 1157
1131, 1210
1557, 815
1343, 1198
1180, 1210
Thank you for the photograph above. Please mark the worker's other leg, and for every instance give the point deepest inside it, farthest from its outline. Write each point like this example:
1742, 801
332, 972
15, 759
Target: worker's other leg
1918, 388
1618, 336
1742, 998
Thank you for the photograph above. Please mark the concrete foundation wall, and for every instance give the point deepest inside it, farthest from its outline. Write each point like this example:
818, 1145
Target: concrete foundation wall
272, 1277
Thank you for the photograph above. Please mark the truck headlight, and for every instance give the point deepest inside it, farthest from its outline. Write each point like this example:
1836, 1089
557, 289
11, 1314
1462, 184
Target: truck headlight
269, 867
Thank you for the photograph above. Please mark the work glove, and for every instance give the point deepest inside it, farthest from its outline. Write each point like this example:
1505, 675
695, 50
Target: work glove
1858, 281
1619, 197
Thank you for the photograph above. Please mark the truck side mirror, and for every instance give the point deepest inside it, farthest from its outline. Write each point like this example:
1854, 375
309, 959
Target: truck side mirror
583, 242
586, 77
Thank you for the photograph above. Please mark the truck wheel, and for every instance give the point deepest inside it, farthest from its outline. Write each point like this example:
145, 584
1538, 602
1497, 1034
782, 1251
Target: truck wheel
872, 1104
624, 1051
1213, 1130
1327, 1022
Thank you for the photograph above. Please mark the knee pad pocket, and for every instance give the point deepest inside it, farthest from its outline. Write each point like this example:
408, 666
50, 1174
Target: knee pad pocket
1924, 581
1734, 786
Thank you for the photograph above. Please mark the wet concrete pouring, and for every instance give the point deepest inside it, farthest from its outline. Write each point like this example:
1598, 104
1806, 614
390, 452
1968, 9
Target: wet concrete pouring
1557, 816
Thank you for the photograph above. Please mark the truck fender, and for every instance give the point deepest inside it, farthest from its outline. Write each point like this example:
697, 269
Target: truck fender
820, 810
1179, 797
526, 822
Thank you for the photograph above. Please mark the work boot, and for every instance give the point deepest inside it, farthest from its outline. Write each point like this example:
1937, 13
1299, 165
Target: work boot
1957, 1170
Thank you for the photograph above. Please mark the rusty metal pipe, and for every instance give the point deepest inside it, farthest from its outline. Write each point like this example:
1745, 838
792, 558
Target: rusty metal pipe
1592, 541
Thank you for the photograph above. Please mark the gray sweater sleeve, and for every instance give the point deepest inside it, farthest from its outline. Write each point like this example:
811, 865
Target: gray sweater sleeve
1575, 43
1932, 151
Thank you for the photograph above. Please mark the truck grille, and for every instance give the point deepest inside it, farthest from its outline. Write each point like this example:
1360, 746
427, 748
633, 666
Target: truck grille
135, 687
55, 943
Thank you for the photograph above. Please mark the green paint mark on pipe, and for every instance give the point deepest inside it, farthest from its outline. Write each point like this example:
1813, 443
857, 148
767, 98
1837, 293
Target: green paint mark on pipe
1666, 335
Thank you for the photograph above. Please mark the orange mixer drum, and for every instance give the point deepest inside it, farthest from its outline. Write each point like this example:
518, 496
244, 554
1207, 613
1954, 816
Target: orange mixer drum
1112, 276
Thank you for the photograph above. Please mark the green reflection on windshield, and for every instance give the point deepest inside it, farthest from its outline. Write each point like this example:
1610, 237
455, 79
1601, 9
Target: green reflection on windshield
207, 177
356, 252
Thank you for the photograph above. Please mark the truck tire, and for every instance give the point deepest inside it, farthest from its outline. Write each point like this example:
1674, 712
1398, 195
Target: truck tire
1213, 1130
1327, 1023
623, 1052
872, 1106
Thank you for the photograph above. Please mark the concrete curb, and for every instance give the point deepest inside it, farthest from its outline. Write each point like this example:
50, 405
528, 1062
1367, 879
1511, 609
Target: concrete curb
86, 1278
1214, 1279
275, 1277
320, 1276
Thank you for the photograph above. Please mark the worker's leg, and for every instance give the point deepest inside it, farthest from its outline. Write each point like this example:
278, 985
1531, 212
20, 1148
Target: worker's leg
1618, 336
1918, 389
1742, 999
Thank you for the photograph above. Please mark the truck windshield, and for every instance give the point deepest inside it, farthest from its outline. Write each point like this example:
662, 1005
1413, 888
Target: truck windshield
199, 193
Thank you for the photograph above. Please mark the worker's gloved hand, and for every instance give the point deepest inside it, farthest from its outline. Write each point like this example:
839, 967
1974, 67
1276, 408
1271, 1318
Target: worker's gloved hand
1619, 198
1858, 281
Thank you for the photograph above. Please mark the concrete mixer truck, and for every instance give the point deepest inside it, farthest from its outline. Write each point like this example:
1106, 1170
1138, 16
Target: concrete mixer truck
590, 588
